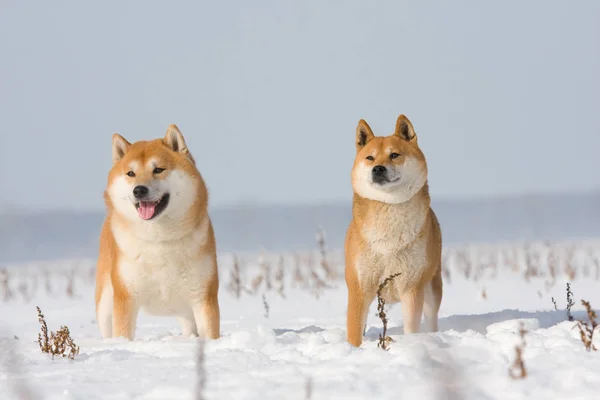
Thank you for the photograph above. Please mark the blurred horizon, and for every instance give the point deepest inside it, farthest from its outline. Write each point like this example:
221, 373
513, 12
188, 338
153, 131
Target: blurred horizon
11, 208
289, 228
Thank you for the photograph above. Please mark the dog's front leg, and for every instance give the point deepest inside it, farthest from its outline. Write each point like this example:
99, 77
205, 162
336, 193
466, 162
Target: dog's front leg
125, 312
412, 310
433, 299
207, 315
356, 316
359, 301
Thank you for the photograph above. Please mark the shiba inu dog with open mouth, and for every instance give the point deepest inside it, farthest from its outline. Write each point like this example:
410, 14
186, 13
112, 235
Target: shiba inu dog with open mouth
157, 245
393, 230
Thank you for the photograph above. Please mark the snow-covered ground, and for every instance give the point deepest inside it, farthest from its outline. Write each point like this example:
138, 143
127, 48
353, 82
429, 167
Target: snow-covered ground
294, 348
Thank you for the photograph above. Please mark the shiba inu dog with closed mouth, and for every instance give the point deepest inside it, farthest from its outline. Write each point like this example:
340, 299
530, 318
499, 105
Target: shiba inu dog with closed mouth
157, 245
393, 230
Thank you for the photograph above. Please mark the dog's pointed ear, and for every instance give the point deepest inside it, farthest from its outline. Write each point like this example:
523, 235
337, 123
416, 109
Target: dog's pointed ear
363, 134
175, 141
404, 129
120, 146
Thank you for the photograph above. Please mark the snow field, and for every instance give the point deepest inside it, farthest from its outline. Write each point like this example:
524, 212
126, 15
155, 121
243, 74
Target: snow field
295, 348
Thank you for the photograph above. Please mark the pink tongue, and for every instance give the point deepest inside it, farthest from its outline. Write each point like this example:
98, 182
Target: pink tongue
146, 209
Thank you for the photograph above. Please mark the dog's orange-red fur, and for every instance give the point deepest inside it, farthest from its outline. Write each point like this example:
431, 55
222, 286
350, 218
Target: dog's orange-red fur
124, 310
386, 238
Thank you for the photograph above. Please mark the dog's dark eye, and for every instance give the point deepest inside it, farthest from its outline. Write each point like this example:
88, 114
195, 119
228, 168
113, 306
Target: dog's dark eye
370, 158
131, 174
394, 155
158, 170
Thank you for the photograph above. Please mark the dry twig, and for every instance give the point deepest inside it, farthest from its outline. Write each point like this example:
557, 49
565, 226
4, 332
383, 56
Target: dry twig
384, 340
586, 330
265, 305
235, 283
280, 277
58, 342
570, 302
4, 283
518, 370
325, 265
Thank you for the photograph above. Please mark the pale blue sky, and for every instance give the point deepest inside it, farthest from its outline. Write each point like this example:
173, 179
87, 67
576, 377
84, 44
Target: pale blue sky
504, 95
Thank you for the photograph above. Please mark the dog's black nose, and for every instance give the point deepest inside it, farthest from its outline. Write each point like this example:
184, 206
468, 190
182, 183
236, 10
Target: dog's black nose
140, 191
379, 170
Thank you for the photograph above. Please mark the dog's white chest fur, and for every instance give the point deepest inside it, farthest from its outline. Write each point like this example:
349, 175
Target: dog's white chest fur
164, 276
393, 246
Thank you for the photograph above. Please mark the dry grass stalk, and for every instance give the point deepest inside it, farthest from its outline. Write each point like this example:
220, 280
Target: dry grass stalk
255, 285
552, 262
200, 372
480, 263
35, 284
497, 261
570, 302
510, 259
47, 281
554, 302
586, 269
70, 275
596, 262
586, 330
570, 271
26, 292
325, 265
464, 260
318, 283
530, 262
43, 340
265, 305
58, 342
298, 277
266, 269
446, 274
4, 283
446, 257
517, 369
597, 269
384, 340
27, 286
280, 277
235, 282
